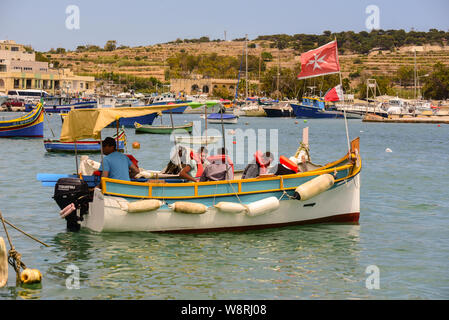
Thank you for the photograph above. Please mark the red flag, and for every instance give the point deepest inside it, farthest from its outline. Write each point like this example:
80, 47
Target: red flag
334, 94
320, 61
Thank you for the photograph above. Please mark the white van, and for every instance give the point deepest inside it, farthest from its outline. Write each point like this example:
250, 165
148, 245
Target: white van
27, 96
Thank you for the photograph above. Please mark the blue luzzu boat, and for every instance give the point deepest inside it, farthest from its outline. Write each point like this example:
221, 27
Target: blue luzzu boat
314, 108
31, 125
84, 146
219, 117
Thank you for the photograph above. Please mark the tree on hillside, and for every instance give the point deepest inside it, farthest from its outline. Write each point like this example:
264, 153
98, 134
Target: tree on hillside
110, 45
405, 76
436, 86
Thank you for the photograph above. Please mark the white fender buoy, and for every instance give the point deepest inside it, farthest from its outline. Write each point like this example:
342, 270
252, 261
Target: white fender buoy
3, 263
388, 150
188, 207
314, 187
263, 206
230, 207
143, 205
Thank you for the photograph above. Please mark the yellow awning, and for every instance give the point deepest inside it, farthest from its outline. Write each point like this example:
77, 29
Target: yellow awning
87, 123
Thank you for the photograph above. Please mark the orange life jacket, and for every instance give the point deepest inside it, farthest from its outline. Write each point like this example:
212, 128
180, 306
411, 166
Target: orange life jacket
288, 163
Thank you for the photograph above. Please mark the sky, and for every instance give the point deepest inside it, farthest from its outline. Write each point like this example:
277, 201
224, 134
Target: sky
42, 24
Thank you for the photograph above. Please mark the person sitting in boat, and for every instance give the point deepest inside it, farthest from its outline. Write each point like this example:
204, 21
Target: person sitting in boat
220, 167
116, 165
260, 165
189, 165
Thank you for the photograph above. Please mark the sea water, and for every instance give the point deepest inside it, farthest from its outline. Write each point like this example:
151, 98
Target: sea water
399, 250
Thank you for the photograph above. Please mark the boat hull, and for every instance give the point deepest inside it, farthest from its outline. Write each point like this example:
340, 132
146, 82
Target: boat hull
163, 129
307, 112
225, 121
278, 113
341, 203
129, 122
81, 146
30, 125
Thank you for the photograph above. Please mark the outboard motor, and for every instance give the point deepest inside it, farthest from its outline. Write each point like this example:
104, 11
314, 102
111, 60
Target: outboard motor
76, 191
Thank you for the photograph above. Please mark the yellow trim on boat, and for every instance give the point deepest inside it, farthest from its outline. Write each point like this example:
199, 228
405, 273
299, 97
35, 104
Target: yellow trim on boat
195, 185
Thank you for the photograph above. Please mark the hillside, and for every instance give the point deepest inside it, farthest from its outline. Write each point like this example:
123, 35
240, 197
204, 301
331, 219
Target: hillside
154, 61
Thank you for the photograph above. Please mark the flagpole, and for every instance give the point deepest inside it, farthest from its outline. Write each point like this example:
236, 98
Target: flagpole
344, 109
344, 114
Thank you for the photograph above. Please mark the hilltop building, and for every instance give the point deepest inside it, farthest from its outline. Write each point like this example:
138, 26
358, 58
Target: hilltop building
20, 70
204, 85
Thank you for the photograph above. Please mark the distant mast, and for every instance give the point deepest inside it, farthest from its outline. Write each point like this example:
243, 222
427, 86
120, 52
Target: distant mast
246, 71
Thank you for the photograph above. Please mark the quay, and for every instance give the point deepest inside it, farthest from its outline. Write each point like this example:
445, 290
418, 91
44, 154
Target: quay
406, 119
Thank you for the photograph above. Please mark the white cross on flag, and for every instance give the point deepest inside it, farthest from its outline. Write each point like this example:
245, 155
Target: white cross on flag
320, 61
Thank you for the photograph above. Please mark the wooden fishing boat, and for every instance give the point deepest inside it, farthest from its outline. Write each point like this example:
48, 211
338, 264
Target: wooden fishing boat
162, 129
83, 146
30, 125
197, 140
315, 194
111, 209
222, 117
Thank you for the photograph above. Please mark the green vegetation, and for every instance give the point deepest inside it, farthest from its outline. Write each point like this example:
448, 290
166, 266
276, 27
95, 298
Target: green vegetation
139, 84
436, 86
110, 45
361, 42
210, 65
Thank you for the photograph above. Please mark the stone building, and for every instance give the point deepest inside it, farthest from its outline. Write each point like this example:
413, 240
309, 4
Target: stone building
20, 70
203, 85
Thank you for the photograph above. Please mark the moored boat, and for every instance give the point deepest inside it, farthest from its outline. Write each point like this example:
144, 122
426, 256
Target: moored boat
30, 125
280, 110
197, 140
83, 146
219, 117
314, 108
162, 129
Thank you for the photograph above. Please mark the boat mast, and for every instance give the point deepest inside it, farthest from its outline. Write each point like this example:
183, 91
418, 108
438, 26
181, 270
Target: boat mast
414, 73
279, 67
246, 72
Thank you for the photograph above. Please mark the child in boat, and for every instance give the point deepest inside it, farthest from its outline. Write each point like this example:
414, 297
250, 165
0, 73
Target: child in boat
260, 165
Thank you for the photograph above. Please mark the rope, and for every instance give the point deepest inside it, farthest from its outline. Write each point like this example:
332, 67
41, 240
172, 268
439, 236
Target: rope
284, 193
14, 258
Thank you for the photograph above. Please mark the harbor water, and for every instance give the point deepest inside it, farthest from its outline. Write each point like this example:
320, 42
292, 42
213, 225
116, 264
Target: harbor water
402, 232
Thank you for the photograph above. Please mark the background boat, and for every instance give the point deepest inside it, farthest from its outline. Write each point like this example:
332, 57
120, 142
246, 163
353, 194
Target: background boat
31, 125
197, 140
314, 108
280, 110
217, 118
82, 146
162, 129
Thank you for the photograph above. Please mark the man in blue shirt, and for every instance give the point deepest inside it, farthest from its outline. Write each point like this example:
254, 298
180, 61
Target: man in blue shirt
116, 165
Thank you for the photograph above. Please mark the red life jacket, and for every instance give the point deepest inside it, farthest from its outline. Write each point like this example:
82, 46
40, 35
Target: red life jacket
261, 161
199, 165
223, 158
133, 160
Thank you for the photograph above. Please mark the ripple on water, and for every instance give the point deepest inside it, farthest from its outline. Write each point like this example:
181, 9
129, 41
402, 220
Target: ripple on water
403, 228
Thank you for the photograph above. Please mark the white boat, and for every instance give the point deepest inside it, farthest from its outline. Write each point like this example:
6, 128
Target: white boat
222, 118
267, 201
198, 140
